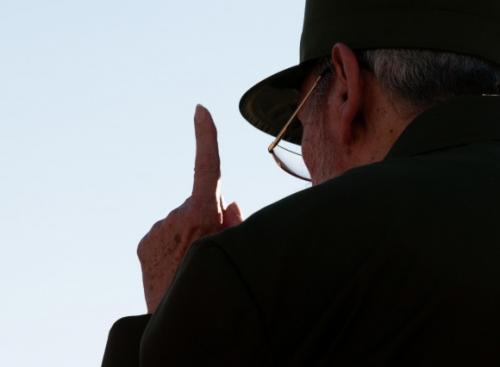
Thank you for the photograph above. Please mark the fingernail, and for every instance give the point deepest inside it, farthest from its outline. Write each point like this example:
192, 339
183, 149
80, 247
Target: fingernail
199, 108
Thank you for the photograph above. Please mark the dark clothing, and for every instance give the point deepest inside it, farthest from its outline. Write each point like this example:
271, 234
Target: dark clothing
392, 264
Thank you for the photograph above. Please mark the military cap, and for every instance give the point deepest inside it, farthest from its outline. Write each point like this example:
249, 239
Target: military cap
465, 27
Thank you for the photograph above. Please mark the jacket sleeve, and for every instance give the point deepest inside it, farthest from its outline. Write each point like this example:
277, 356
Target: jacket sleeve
122, 348
208, 317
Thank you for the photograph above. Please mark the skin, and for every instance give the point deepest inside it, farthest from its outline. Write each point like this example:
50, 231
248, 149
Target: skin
355, 124
162, 249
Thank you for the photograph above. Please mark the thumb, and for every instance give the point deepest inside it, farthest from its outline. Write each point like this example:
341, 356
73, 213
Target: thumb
232, 216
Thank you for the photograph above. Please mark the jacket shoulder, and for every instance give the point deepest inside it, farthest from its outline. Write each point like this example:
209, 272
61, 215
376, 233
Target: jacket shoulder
360, 192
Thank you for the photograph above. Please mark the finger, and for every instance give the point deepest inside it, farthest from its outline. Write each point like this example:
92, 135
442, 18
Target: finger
222, 205
232, 216
207, 162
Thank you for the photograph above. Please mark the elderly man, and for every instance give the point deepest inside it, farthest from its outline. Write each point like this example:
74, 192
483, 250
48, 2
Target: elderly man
392, 258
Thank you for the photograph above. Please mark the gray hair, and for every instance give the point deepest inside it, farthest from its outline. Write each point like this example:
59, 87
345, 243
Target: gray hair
420, 79
423, 78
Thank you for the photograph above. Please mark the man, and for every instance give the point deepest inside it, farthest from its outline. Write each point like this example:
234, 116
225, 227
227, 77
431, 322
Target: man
392, 257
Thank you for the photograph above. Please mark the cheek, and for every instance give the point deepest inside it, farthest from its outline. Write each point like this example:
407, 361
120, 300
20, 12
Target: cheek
306, 149
318, 150
309, 148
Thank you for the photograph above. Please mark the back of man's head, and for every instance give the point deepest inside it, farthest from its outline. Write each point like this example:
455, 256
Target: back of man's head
421, 79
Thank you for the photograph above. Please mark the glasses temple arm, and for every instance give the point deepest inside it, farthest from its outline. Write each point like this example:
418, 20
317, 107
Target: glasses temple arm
295, 113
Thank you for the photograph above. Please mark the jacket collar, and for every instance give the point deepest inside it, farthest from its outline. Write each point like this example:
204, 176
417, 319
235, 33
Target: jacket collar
460, 121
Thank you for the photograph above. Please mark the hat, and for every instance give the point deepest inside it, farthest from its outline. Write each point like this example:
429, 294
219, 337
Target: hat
465, 27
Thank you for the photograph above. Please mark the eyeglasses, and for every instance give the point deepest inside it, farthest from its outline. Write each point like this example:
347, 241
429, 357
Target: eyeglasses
292, 162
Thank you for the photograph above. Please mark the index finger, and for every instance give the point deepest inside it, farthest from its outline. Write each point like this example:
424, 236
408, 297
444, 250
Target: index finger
207, 161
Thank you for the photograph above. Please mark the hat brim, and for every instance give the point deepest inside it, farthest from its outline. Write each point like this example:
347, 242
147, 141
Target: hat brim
269, 104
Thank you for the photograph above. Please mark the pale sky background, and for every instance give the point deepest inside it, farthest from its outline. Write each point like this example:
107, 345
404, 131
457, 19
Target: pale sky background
96, 144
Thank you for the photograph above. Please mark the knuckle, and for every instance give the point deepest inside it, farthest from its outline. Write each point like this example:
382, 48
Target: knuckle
178, 212
170, 217
173, 213
157, 226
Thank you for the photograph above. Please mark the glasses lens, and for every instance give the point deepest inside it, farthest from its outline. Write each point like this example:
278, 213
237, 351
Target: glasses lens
289, 158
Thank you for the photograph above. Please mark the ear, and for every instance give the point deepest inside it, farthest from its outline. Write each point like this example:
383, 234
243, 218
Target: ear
348, 91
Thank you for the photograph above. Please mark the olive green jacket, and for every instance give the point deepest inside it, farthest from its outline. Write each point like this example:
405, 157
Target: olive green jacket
392, 264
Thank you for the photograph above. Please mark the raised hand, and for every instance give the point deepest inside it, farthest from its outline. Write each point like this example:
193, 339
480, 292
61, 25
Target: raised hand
162, 249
